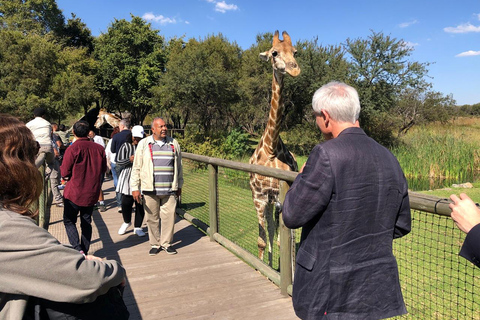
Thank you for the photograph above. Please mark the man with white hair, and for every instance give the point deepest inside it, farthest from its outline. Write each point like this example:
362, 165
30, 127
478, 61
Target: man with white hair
351, 198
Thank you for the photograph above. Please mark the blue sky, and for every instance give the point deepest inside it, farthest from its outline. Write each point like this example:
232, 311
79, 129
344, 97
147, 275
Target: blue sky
444, 32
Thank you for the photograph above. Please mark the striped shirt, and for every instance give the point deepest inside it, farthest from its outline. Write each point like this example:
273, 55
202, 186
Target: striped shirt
163, 167
127, 149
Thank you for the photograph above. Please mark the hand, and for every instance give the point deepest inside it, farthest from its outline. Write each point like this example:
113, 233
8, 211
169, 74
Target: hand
301, 169
465, 213
137, 196
90, 257
131, 157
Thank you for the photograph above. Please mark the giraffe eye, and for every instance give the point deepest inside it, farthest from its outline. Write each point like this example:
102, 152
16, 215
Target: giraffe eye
274, 53
294, 53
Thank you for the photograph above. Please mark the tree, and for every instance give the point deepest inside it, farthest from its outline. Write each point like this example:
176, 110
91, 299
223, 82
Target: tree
76, 34
73, 87
254, 86
201, 82
381, 71
319, 65
28, 64
417, 106
40, 16
131, 60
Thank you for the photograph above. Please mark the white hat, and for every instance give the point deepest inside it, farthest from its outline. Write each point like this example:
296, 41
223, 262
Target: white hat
137, 131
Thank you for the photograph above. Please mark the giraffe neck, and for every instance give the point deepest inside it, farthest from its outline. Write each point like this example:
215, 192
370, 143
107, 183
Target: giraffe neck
271, 136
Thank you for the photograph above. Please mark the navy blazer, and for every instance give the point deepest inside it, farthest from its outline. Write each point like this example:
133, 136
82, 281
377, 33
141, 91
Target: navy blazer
351, 200
471, 246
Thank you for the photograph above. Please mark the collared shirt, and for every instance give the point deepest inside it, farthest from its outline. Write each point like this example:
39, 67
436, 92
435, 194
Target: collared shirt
99, 140
84, 163
41, 129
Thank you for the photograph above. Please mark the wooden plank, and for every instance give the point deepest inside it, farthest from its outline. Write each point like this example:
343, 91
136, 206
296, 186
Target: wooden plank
203, 281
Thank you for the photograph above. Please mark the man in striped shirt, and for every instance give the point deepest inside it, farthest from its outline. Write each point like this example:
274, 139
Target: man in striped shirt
157, 173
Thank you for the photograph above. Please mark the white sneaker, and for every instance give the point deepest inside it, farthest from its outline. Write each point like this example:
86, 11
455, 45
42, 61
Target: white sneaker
124, 228
139, 232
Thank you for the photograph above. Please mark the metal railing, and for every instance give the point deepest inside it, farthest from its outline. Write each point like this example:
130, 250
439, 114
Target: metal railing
436, 282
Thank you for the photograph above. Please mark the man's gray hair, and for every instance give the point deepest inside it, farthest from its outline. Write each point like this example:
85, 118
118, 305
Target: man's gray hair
125, 123
156, 118
339, 100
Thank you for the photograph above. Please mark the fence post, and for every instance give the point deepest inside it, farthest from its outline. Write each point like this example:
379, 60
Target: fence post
213, 199
42, 200
285, 247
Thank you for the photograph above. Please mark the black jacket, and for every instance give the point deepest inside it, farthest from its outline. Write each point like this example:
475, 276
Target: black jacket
351, 200
471, 247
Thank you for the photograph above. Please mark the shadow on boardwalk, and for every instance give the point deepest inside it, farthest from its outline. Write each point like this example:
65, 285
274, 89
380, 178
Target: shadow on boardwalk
203, 281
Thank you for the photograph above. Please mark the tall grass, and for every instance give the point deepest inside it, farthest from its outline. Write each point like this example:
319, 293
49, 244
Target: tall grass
449, 152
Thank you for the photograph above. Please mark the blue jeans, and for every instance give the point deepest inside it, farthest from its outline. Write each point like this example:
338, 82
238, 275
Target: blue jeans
118, 196
114, 174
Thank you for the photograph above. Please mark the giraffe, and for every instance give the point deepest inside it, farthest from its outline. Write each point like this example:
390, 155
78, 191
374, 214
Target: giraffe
271, 152
110, 118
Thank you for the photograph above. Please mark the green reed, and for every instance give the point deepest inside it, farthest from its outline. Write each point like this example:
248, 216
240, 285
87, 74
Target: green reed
436, 154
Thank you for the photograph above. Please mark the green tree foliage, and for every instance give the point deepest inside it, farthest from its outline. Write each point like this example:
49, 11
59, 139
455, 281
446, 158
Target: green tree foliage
201, 82
73, 87
380, 71
40, 16
417, 106
131, 60
319, 65
254, 86
76, 34
28, 64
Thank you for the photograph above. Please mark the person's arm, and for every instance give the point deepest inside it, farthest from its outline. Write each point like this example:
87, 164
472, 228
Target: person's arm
100, 141
38, 265
123, 158
136, 167
403, 225
113, 147
466, 216
180, 168
310, 193
104, 162
67, 163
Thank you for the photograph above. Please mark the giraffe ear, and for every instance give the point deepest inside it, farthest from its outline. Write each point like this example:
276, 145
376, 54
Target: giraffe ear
265, 55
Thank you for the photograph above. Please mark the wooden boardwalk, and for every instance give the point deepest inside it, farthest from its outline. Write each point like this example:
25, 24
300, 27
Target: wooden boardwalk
203, 281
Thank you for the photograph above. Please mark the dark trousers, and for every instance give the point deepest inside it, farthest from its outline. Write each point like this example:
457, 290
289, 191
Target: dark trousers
127, 206
70, 212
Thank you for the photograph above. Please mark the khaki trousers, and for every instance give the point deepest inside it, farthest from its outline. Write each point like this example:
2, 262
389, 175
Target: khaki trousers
160, 219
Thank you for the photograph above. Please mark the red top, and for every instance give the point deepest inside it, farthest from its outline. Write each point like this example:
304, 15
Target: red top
84, 163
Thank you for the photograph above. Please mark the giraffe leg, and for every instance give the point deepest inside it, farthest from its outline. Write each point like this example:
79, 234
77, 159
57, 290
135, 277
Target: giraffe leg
260, 206
272, 226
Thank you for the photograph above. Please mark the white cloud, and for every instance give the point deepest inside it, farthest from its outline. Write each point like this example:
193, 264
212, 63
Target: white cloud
478, 15
222, 6
409, 44
149, 16
469, 53
463, 28
407, 24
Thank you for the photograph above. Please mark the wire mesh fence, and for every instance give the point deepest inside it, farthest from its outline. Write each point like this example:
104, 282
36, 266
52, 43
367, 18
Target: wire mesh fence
436, 282
237, 217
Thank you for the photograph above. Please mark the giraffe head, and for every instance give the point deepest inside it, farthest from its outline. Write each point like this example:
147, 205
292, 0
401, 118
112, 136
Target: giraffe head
283, 55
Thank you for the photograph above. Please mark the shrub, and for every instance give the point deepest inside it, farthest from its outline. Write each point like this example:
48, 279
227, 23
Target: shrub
235, 145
